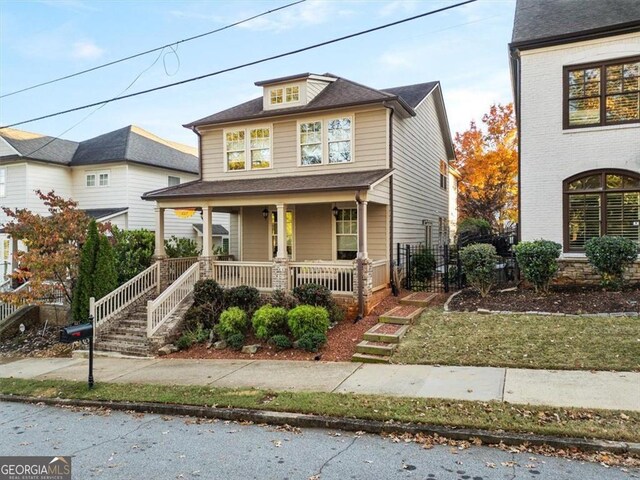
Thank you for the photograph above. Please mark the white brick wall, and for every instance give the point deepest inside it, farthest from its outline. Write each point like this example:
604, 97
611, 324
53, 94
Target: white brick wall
548, 154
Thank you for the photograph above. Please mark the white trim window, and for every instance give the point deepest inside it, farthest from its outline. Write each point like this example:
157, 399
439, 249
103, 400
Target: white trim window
253, 144
289, 227
310, 143
326, 141
90, 180
173, 181
280, 95
347, 234
97, 179
339, 140
276, 96
292, 94
3, 182
103, 179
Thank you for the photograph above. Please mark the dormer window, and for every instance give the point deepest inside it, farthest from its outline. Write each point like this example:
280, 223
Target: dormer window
281, 95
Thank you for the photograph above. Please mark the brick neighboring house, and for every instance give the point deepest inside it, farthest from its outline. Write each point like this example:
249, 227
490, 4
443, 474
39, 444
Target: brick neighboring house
576, 76
106, 175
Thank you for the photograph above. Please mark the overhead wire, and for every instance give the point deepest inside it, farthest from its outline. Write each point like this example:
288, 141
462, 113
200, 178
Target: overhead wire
245, 65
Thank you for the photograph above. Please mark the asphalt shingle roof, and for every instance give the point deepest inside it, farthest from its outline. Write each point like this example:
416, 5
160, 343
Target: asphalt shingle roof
125, 144
547, 19
99, 213
259, 186
339, 93
217, 229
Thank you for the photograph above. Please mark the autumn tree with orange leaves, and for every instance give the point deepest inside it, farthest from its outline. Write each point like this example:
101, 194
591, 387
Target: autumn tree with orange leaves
53, 243
487, 159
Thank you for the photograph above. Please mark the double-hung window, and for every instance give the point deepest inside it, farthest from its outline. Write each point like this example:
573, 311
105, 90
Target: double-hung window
280, 95
328, 141
601, 203
444, 171
173, 181
253, 144
97, 179
347, 234
603, 93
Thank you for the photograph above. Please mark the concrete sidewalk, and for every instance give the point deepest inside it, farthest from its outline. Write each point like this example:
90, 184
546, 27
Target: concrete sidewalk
606, 390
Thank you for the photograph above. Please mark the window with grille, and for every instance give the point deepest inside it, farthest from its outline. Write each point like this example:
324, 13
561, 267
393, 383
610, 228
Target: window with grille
347, 234
443, 174
601, 203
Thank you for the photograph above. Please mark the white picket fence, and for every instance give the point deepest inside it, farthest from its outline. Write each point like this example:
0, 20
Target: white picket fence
7, 309
234, 274
112, 303
160, 309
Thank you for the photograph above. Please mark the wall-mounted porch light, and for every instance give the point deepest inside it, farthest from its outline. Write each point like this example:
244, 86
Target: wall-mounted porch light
265, 213
335, 211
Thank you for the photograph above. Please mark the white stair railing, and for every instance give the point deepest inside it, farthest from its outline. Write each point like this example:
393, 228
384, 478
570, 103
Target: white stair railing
160, 309
123, 296
177, 266
7, 309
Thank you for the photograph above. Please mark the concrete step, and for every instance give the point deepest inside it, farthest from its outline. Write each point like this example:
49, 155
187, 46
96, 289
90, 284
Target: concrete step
376, 348
364, 358
419, 299
128, 339
401, 315
382, 332
127, 331
117, 348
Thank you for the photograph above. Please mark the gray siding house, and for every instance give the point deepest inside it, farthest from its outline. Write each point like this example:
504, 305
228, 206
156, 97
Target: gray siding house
321, 177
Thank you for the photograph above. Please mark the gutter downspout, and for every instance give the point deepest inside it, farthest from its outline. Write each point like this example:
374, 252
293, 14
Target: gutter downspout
195, 130
359, 266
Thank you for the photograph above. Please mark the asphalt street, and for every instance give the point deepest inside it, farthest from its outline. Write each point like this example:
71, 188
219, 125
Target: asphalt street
120, 446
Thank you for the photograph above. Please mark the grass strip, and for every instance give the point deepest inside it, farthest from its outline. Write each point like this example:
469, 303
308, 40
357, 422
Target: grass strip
563, 422
522, 341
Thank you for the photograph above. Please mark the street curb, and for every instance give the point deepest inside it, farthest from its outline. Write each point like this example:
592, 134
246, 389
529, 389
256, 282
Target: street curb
338, 423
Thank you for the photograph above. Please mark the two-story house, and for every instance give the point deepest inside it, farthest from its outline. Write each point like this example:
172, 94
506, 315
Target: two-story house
106, 175
576, 76
315, 173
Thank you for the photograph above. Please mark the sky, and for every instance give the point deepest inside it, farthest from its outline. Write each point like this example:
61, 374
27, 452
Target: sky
464, 48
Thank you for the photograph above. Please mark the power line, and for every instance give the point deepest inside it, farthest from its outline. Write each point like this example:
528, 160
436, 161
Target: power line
239, 22
238, 67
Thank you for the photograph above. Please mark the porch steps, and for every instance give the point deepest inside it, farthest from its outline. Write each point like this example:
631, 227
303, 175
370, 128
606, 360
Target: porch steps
128, 333
419, 299
381, 340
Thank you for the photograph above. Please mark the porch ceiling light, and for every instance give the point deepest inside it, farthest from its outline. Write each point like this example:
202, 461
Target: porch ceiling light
335, 211
265, 213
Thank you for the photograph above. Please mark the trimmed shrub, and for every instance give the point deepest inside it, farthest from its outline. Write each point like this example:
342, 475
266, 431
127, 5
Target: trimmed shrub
207, 291
235, 341
479, 263
538, 262
423, 265
244, 297
232, 321
281, 342
269, 321
200, 315
282, 298
319, 296
307, 319
311, 342
611, 256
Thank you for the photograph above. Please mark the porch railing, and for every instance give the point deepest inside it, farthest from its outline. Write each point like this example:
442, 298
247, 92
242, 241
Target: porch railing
177, 266
380, 272
5, 285
337, 277
234, 274
123, 296
7, 309
160, 309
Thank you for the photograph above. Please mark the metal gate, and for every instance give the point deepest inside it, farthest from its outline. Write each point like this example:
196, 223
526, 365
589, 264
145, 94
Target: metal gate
431, 269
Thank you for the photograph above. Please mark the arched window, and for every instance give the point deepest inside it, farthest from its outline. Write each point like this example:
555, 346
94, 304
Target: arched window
601, 202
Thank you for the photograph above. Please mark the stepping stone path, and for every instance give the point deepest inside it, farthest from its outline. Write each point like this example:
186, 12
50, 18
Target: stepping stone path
382, 339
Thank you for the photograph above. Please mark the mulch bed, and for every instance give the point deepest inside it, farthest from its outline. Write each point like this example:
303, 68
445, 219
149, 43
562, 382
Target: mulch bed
35, 343
388, 328
404, 311
341, 341
560, 300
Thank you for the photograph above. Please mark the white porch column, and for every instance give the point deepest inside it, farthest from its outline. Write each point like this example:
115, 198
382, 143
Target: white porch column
362, 230
281, 210
207, 232
159, 250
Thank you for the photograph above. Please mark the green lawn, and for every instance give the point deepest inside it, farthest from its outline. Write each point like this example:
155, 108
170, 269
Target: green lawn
522, 341
568, 422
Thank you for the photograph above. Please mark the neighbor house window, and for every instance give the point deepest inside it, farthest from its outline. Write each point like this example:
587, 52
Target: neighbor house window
605, 93
339, 140
329, 139
347, 234
253, 143
3, 182
103, 179
443, 174
311, 143
601, 203
274, 234
91, 180
173, 181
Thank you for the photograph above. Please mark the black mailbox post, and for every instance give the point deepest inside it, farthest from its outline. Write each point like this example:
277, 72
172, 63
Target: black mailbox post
75, 333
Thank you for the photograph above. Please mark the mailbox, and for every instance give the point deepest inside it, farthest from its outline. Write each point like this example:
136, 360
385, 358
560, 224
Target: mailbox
74, 333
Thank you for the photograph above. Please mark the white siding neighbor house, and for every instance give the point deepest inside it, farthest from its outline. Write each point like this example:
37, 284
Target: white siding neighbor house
576, 75
106, 175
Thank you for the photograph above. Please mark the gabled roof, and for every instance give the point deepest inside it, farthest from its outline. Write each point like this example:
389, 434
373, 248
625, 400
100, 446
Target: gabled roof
216, 230
100, 213
542, 22
131, 144
338, 93
261, 186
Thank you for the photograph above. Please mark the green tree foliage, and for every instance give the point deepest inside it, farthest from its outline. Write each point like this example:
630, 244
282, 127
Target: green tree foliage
133, 252
97, 275
479, 262
181, 247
